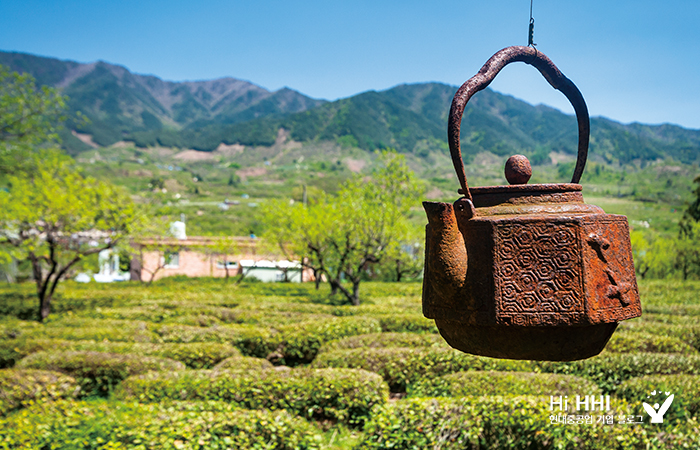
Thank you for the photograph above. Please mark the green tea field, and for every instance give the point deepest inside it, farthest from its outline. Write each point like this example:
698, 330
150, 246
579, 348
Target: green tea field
209, 364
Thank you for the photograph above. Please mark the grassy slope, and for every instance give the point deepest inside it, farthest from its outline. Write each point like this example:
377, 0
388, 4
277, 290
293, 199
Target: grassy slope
654, 194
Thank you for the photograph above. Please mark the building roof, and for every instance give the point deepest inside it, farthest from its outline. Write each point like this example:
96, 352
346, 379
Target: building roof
267, 264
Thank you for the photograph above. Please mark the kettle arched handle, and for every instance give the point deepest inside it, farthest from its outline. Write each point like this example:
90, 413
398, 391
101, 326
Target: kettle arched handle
488, 72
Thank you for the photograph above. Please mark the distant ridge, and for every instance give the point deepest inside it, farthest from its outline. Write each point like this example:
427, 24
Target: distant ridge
119, 103
411, 117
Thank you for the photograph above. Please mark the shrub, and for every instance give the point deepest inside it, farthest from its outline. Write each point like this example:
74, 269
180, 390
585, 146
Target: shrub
401, 367
21, 305
198, 355
244, 363
327, 394
85, 322
505, 423
150, 313
19, 388
680, 318
685, 388
17, 341
12, 350
300, 343
20, 301
197, 320
11, 328
635, 342
478, 383
97, 372
609, 370
677, 310
94, 330
202, 355
249, 339
178, 312
278, 316
412, 323
687, 333
380, 340
110, 425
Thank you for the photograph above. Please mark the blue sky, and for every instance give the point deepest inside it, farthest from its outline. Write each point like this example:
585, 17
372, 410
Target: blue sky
634, 61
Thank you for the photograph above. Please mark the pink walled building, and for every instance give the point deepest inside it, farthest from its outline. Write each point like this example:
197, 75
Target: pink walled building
202, 256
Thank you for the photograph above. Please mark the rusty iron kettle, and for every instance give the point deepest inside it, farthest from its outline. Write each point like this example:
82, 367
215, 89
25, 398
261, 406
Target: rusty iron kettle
526, 271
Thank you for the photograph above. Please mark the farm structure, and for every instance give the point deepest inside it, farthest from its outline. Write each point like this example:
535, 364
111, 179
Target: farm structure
212, 256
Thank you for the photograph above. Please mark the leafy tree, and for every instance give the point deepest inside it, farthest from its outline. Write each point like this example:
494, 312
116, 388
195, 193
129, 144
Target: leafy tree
404, 261
688, 255
692, 213
300, 232
340, 237
29, 117
688, 250
54, 217
656, 259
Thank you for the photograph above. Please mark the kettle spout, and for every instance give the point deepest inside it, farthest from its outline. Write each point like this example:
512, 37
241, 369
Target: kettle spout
445, 255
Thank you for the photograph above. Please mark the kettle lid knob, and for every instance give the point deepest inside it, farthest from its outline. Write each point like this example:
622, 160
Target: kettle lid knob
518, 170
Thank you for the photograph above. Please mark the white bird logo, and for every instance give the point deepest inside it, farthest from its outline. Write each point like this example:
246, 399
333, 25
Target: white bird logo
657, 412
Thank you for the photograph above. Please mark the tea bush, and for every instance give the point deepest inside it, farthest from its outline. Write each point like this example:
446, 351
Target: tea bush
244, 363
688, 334
261, 307
195, 355
412, 323
12, 350
11, 328
685, 388
20, 301
209, 323
96, 372
177, 312
276, 317
609, 370
300, 343
401, 367
380, 340
149, 313
201, 355
651, 319
85, 322
198, 355
196, 320
105, 425
635, 342
506, 423
675, 310
24, 387
249, 339
478, 383
343, 395
126, 332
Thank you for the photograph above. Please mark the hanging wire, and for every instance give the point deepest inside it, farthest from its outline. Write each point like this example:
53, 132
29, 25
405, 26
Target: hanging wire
531, 29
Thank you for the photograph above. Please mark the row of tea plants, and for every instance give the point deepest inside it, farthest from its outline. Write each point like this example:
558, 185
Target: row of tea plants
206, 364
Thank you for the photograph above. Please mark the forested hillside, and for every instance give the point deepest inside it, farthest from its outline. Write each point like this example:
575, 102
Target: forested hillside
122, 106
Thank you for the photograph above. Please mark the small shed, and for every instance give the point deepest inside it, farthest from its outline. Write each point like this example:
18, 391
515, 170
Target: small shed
269, 271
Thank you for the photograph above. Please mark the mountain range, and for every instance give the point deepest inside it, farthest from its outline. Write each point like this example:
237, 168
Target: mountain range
201, 115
